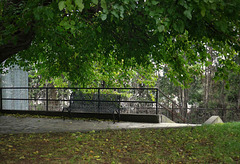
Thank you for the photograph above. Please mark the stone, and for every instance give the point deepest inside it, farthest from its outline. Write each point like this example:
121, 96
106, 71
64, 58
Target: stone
164, 119
213, 120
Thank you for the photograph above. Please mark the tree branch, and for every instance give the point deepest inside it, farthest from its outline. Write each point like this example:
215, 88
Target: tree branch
24, 40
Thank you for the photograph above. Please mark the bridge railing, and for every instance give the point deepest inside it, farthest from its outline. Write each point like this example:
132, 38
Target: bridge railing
132, 100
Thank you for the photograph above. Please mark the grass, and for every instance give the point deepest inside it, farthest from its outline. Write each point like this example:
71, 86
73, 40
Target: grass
218, 143
53, 117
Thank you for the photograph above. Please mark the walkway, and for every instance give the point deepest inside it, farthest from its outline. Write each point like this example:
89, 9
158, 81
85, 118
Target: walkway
10, 125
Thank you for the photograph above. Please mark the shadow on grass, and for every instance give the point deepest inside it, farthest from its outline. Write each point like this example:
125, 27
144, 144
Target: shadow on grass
206, 144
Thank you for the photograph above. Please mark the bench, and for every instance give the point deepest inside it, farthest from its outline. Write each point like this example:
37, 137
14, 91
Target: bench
94, 103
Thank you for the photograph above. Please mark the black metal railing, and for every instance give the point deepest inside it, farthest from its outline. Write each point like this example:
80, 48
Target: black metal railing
170, 108
55, 99
129, 100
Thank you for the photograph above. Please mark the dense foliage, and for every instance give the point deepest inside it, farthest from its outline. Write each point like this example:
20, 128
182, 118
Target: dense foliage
82, 39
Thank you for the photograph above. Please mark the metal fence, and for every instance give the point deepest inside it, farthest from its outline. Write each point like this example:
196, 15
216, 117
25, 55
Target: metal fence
131, 100
200, 115
96, 100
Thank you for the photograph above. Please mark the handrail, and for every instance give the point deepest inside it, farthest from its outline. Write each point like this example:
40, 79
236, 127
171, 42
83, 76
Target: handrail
174, 113
168, 98
75, 88
173, 102
47, 98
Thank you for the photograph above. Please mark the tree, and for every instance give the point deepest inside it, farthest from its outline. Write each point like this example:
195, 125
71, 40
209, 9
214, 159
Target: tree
71, 36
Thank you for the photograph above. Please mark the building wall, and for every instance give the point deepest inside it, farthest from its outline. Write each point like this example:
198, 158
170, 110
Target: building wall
15, 77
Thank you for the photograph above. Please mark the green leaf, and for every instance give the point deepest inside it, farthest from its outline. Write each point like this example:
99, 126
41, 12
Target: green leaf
99, 29
104, 6
152, 13
61, 5
170, 11
115, 13
161, 28
50, 14
126, 1
208, 63
160, 38
104, 17
36, 14
213, 6
222, 25
66, 24
133, 5
116, 6
188, 13
72, 22
183, 3
160, 10
203, 11
179, 26
80, 4
155, 2
121, 11
95, 2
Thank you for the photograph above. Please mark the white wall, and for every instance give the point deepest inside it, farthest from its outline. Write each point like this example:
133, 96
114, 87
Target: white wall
15, 78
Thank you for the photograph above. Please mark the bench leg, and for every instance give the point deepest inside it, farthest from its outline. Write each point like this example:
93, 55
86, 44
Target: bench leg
118, 114
62, 112
113, 117
68, 110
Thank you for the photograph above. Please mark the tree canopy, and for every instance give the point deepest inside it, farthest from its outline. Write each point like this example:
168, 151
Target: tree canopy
78, 37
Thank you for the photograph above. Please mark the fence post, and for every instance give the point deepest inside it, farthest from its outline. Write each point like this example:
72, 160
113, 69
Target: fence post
197, 115
223, 114
1, 99
46, 99
172, 113
98, 100
157, 101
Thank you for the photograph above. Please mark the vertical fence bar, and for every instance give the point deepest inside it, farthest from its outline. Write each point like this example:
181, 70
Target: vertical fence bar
198, 119
1, 99
172, 113
156, 101
46, 99
98, 100
223, 114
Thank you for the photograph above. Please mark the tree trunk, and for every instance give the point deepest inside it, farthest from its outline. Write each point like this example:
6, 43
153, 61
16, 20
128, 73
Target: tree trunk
223, 101
206, 88
24, 40
208, 78
183, 96
238, 102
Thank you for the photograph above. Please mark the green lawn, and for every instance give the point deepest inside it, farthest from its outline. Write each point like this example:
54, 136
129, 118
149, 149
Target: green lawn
206, 144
